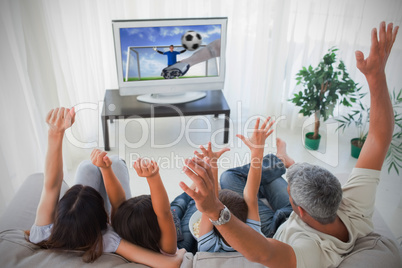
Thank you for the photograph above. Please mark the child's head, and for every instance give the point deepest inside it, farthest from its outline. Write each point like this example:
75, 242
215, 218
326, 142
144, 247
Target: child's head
79, 221
235, 203
135, 221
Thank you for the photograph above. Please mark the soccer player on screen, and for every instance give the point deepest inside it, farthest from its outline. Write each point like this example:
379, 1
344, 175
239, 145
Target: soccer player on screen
171, 54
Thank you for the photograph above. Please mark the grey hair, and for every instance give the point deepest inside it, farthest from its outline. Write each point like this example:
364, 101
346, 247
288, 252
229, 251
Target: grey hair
316, 190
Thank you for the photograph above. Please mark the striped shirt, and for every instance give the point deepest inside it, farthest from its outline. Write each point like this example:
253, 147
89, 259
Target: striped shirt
211, 242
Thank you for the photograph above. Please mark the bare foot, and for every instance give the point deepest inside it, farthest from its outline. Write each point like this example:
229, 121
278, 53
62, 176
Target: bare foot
282, 154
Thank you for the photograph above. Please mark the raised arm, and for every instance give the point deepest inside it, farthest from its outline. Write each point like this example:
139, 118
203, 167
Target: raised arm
156, 49
241, 237
160, 204
256, 144
148, 257
59, 120
113, 187
381, 112
205, 224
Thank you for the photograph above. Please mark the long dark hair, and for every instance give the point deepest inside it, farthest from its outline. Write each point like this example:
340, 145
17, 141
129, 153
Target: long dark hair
235, 203
135, 221
79, 221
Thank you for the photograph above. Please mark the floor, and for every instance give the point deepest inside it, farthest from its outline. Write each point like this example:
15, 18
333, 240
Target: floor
171, 140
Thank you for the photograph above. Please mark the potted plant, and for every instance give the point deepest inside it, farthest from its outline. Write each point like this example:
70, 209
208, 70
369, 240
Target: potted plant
359, 117
323, 87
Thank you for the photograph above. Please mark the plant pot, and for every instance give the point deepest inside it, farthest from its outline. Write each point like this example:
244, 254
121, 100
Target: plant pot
312, 144
355, 149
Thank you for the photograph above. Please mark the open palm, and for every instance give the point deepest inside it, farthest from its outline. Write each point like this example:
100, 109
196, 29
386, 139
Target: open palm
257, 139
60, 119
379, 52
213, 156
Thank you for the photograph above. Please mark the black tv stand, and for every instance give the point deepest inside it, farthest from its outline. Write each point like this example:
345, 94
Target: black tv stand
121, 107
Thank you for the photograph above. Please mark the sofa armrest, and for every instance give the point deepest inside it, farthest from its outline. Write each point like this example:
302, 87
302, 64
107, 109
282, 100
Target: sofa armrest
21, 212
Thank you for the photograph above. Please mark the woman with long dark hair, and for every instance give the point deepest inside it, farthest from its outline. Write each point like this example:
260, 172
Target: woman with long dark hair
79, 220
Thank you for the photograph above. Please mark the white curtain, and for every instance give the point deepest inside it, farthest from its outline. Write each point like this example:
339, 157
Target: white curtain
22, 135
315, 26
60, 52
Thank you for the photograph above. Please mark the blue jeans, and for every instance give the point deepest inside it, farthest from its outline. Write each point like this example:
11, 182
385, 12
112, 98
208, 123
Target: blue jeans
273, 187
184, 207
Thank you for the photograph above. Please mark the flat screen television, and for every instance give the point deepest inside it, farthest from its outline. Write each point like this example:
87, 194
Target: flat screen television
148, 65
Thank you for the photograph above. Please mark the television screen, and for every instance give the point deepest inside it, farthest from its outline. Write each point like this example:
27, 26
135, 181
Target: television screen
170, 55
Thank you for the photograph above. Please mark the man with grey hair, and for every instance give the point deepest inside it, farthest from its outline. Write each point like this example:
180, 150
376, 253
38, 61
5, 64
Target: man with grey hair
327, 220
316, 190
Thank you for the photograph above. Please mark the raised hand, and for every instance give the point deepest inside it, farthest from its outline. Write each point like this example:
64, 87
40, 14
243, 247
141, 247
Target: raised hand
60, 119
257, 139
100, 159
203, 194
146, 168
379, 51
213, 156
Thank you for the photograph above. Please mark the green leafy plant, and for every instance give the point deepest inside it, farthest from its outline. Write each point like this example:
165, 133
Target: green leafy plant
359, 117
394, 154
323, 87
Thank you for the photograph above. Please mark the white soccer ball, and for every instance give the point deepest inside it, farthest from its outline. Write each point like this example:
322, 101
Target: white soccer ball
191, 40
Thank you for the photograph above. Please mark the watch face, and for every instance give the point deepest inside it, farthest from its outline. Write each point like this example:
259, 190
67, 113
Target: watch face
226, 215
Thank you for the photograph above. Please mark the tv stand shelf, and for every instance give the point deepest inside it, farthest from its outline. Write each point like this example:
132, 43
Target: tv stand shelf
122, 107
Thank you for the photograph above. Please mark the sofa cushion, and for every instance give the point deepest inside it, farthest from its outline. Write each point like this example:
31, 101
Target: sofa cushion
222, 260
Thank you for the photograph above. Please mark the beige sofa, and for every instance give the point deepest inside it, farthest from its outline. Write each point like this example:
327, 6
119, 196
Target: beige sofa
372, 251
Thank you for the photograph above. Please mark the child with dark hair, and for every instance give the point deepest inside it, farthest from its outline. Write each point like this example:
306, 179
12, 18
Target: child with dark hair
144, 220
244, 208
183, 207
78, 220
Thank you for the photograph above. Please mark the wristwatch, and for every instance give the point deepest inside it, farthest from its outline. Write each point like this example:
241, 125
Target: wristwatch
224, 217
